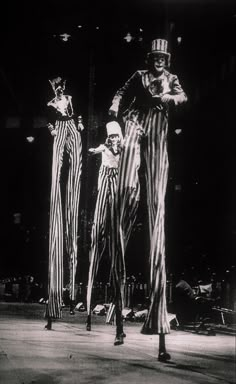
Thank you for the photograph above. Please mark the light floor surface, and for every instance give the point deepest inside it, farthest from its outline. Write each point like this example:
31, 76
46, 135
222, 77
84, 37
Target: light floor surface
69, 354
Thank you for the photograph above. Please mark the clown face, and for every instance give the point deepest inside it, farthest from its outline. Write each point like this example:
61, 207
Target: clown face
59, 91
159, 62
114, 139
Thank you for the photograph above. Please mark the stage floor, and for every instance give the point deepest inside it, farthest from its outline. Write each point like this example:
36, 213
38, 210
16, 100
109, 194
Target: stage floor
71, 355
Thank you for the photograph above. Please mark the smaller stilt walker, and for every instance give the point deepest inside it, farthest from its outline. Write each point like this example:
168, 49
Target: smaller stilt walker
101, 229
66, 129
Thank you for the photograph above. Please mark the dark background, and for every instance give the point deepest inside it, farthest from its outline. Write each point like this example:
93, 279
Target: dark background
96, 60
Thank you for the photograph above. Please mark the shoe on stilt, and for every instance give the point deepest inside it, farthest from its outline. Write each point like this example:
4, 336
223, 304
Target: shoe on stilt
48, 326
119, 340
88, 327
72, 308
164, 356
88, 324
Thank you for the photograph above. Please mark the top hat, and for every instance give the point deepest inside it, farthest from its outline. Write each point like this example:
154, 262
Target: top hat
113, 128
159, 46
57, 82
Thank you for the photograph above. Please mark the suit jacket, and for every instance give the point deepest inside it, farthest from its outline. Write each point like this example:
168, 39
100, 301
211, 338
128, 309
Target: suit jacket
143, 90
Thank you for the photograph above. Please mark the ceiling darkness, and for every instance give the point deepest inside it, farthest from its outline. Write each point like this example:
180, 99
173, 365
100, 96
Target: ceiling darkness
200, 216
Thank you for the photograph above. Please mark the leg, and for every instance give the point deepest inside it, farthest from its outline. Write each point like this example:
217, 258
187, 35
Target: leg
123, 217
88, 323
98, 236
55, 276
163, 355
119, 339
48, 326
74, 148
156, 161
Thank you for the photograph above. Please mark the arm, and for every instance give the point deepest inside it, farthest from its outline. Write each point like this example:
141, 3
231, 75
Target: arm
77, 118
52, 129
99, 149
80, 123
176, 94
70, 106
128, 90
51, 119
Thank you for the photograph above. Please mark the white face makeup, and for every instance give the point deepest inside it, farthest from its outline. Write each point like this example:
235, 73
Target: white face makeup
159, 62
114, 139
59, 91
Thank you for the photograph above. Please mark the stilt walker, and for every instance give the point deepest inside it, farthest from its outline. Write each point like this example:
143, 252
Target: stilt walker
65, 128
101, 229
146, 128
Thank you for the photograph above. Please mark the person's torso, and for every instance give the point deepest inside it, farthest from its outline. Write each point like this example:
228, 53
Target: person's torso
61, 106
109, 158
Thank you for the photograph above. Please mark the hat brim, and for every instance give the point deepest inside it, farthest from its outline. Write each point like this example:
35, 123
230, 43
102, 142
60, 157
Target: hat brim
154, 53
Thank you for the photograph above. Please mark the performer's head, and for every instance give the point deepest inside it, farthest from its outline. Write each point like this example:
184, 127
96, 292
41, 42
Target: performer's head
114, 134
58, 85
158, 59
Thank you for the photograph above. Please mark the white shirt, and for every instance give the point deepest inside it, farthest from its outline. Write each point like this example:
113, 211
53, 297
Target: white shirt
109, 159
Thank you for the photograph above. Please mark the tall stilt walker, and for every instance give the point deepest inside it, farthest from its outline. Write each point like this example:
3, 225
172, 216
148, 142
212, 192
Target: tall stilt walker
101, 230
65, 128
151, 92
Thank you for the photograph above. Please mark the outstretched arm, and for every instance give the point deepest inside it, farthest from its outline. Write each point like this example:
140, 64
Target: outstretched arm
97, 150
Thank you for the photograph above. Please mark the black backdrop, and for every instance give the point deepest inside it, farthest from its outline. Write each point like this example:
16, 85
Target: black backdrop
200, 200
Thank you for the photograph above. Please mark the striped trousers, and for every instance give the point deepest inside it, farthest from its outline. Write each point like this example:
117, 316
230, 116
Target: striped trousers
101, 228
153, 144
68, 138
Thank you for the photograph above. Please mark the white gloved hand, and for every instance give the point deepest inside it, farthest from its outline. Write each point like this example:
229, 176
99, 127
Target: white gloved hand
80, 124
53, 132
166, 98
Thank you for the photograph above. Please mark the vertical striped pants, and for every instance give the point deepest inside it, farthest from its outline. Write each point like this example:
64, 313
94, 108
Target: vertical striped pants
154, 149
67, 138
101, 223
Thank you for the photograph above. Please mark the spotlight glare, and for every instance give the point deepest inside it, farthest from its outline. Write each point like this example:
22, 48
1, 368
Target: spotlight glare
178, 131
30, 139
65, 36
128, 38
179, 39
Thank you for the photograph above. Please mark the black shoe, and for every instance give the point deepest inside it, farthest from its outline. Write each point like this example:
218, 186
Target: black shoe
163, 357
88, 327
119, 340
48, 326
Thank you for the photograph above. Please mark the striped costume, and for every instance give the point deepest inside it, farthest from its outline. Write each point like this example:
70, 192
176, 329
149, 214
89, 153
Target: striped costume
146, 127
101, 229
66, 137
